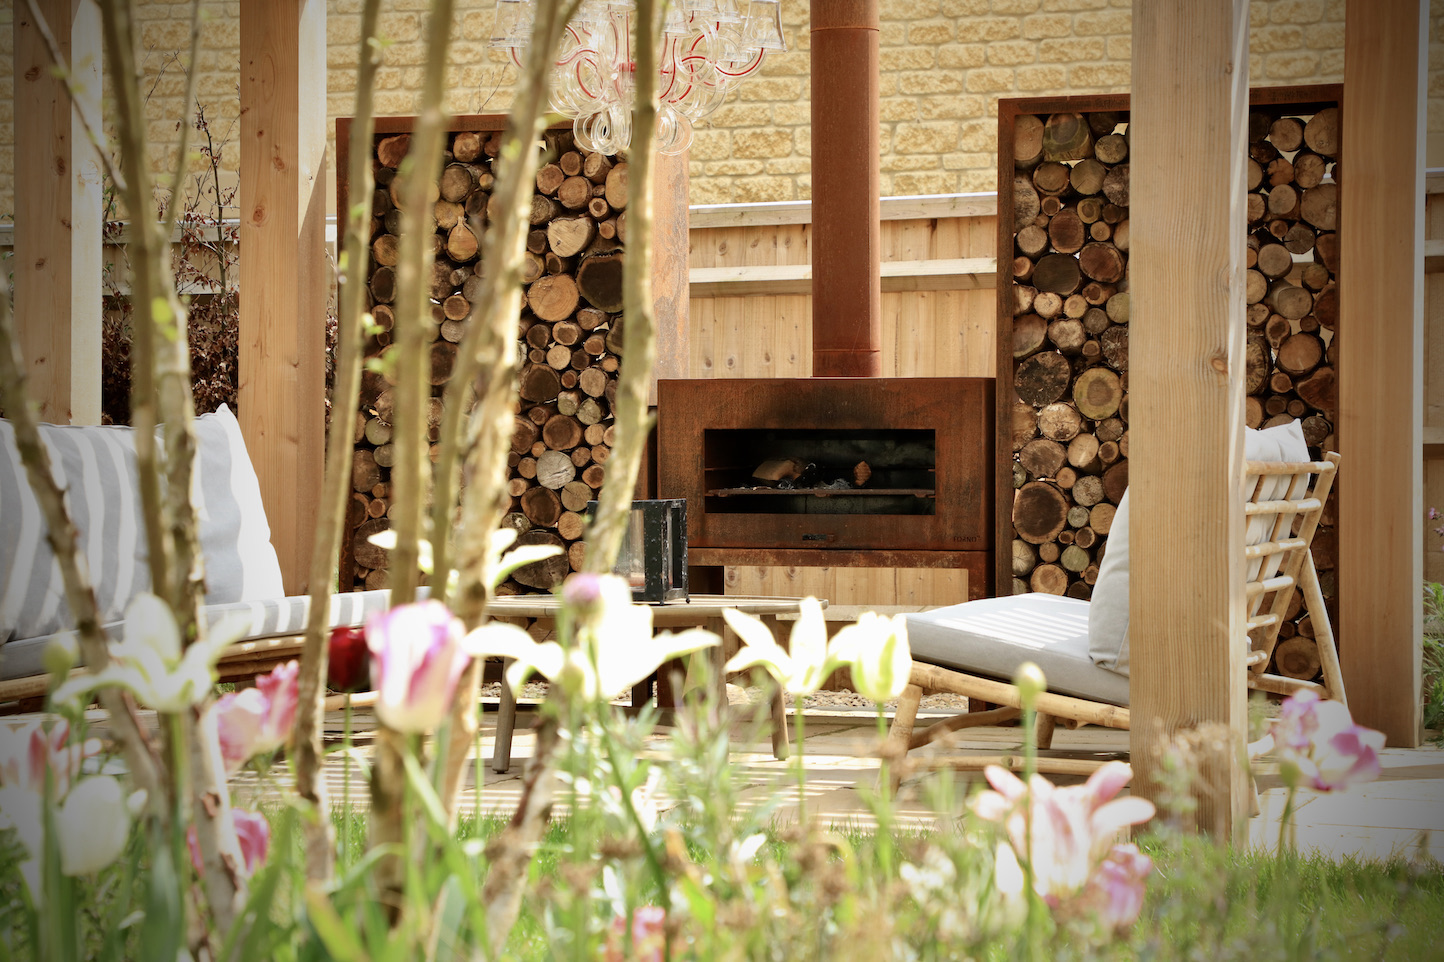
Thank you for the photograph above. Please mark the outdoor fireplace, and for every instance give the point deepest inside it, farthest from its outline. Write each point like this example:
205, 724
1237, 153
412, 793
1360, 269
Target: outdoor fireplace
846, 468
830, 463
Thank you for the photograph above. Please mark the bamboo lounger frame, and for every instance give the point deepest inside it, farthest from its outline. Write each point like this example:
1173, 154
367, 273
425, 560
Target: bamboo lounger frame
1268, 592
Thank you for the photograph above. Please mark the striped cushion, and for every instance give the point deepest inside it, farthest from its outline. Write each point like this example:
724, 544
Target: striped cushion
97, 469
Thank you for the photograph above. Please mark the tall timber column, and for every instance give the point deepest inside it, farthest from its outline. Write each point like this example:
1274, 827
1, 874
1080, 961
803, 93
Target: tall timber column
846, 216
284, 278
58, 211
1186, 366
1381, 373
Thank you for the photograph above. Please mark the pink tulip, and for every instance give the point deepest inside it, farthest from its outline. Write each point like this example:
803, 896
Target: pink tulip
1320, 745
28, 751
649, 936
254, 834
1115, 893
257, 720
1065, 835
418, 653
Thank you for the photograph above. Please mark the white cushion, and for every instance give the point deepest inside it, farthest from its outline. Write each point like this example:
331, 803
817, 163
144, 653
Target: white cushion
96, 468
995, 636
1108, 612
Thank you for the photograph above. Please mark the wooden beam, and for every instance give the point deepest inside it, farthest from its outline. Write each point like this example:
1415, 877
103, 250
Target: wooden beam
911, 207
284, 276
1381, 287
941, 274
1186, 360
58, 211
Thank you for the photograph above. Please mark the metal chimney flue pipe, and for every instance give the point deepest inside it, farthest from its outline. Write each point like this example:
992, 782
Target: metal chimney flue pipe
846, 234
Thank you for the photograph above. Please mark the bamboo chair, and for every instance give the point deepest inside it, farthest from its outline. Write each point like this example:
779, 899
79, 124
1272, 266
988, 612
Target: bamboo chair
1277, 560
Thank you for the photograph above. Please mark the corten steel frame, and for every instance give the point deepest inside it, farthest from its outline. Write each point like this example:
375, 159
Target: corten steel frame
959, 533
1269, 591
1306, 98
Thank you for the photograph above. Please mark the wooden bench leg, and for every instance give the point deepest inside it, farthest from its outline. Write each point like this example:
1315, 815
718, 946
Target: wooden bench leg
780, 747
1043, 725
505, 724
895, 750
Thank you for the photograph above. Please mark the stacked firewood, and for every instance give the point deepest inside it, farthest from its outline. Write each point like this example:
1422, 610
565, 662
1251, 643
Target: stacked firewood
1070, 345
1293, 307
568, 341
1070, 331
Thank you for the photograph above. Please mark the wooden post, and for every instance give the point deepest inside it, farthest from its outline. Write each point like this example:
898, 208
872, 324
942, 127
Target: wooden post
1190, 100
284, 277
58, 212
1381, 374
671, 293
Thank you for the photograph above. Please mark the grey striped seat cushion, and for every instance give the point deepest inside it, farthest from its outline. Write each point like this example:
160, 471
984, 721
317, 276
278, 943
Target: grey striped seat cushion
993, 637
96, 468
272, 618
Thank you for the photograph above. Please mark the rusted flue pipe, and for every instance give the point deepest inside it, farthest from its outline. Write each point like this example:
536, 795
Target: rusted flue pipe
846, 236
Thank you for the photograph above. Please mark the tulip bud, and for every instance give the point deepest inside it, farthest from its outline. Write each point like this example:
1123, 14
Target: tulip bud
61, 653
1030, 683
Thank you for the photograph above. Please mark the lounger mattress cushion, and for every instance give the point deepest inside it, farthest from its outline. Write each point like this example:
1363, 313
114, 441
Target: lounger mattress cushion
272, 618
993, 637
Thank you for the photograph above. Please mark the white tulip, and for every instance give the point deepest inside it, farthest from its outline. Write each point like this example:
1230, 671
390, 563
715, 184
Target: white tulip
150, 663
92, 825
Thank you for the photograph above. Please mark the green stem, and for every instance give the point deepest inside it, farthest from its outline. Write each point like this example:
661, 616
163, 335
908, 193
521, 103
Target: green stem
801, 726
884, 808
649, 847
345, 788
180, 778
1286, 823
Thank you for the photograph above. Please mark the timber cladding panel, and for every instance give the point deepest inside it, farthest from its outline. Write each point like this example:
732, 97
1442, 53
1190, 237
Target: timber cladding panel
568, 336
1063, 323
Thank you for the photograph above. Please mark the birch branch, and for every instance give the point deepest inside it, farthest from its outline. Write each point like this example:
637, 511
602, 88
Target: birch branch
486, 366
614, 504
320, 833
408, 477
135, 747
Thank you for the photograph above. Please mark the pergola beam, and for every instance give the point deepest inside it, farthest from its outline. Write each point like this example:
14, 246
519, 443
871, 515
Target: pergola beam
284, 276
1381, 372
58, 211
1188, 123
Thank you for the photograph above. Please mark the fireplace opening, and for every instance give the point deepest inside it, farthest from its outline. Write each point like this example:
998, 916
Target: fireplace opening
820, 471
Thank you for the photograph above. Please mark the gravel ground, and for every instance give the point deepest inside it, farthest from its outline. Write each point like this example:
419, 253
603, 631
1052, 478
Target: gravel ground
737, 695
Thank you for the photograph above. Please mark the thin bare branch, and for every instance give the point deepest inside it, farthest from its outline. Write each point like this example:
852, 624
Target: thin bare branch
176, 202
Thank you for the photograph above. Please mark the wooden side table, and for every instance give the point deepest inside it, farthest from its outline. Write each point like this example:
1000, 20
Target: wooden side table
700, 611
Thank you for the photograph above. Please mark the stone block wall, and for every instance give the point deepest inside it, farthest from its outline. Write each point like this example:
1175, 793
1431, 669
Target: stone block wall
945, 64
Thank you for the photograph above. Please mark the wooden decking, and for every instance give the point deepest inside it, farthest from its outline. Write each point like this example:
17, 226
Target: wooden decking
1400, 813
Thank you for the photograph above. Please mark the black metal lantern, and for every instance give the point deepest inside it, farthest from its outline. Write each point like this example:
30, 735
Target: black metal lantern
653, 556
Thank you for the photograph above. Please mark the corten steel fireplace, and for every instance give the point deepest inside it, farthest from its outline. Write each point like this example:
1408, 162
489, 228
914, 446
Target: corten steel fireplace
891, 472
926, 496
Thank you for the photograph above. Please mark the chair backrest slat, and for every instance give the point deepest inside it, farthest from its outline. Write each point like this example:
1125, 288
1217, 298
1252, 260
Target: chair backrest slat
1276, 562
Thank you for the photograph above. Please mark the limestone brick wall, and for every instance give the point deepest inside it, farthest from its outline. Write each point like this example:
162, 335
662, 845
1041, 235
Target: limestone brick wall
945, 64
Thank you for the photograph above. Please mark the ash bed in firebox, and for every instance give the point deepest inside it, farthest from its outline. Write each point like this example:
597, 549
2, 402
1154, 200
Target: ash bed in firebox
821, 471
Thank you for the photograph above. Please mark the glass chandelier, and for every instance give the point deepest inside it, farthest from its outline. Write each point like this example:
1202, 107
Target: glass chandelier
708, 46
